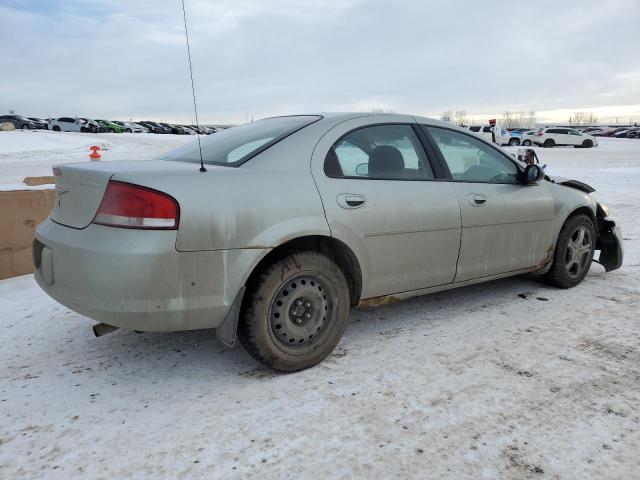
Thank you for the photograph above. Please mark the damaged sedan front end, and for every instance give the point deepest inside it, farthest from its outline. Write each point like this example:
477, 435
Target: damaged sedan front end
609, 240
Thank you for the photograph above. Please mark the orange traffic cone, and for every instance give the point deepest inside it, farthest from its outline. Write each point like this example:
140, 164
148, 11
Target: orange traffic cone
94, 155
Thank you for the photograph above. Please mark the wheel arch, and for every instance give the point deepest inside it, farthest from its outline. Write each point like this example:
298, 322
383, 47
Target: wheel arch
335, 249
583, 210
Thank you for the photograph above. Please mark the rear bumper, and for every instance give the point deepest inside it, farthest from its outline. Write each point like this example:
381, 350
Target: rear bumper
136, 279
610, 244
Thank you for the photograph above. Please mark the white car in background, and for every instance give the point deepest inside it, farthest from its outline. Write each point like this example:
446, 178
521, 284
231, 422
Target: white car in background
504, 137
556, 136
131, 127
68, 124
527, 138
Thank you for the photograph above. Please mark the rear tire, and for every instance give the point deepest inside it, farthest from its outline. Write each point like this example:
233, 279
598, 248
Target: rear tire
295, 312
573, 254
587, 144
549, 143
526, 143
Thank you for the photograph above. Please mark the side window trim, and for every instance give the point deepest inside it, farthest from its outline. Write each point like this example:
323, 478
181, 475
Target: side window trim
428, 151
443, 163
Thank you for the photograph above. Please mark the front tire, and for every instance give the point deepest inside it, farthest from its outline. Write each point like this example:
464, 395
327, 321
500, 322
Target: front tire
574, 253
514, 142
25, 127
56, 128
295, 312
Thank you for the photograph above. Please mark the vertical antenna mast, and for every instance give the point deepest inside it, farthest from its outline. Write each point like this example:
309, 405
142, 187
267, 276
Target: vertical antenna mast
193, 88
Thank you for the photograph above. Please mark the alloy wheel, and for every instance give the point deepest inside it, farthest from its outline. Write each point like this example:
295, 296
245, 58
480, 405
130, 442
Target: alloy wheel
578, 253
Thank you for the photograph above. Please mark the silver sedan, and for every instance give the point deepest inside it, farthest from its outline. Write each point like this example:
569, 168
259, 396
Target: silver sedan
293, 220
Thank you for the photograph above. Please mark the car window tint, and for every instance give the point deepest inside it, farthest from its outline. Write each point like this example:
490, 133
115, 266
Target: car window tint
486, 129
474, 129
471, 160
382, 152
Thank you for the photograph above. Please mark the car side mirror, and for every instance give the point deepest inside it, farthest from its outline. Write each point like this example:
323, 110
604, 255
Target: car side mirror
533, 173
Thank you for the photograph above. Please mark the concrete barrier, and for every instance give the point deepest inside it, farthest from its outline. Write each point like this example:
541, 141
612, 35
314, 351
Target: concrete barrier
21, 211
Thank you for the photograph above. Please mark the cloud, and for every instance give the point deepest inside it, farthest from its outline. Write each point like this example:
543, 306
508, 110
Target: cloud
124, 59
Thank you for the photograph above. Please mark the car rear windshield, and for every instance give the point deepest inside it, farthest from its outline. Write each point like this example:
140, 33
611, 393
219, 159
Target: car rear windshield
236, 145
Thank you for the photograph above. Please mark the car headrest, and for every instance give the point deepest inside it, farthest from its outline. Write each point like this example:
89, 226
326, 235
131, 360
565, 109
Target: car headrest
386, 162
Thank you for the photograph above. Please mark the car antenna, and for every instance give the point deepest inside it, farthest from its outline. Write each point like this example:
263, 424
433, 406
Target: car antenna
193, 89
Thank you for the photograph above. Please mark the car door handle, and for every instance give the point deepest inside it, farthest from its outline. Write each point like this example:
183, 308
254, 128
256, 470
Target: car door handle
477, 199
351, 200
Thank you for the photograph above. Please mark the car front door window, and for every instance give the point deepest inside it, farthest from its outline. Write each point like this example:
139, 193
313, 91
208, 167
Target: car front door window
471, 160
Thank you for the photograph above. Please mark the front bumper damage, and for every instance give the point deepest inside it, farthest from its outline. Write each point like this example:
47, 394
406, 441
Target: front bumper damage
610, 244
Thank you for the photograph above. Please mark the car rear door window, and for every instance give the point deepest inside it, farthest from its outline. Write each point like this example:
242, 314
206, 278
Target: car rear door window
380, 152
471, 160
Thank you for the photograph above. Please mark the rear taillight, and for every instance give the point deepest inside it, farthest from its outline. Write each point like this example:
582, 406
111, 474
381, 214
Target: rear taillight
539, 134
127, 205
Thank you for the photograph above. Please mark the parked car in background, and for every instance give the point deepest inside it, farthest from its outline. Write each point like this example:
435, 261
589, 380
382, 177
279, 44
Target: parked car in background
188, 130
93, 126
621, 133
177, 129
614, 132
22, 123
161, 245
604, 132
202, 129
633, 133
557, 137
526, 139
504, 137
154, 127
68, 124
131, 127
591, 130
112, 127
41, 121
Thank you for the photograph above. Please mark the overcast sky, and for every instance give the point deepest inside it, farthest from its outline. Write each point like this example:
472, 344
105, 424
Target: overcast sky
127, 59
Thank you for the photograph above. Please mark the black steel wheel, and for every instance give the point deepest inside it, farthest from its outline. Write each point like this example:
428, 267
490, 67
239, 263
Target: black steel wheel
296, 311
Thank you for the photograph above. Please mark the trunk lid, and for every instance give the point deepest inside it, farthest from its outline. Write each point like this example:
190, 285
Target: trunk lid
81, 186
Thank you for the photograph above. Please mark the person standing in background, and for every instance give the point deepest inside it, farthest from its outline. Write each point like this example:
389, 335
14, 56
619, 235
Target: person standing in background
492, 122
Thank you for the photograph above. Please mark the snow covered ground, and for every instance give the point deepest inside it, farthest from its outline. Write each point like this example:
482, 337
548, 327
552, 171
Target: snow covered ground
510, 379
33, 152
